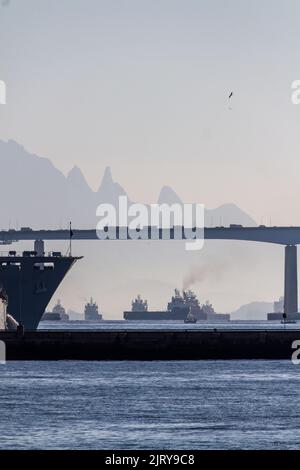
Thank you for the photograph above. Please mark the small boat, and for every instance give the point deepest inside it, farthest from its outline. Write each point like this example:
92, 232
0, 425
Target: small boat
285, 320
190, 318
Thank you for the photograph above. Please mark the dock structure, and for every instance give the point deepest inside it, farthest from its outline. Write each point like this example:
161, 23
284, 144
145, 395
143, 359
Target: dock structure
148, 345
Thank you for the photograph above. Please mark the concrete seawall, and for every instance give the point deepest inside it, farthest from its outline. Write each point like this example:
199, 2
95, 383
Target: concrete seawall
150, 345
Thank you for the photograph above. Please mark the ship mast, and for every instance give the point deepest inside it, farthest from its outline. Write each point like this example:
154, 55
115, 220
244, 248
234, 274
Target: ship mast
71, 235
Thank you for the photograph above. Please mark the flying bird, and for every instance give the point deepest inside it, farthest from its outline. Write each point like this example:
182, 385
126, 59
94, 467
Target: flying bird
229, 97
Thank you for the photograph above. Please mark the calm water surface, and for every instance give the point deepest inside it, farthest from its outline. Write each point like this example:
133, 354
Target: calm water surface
166, 325
162, 405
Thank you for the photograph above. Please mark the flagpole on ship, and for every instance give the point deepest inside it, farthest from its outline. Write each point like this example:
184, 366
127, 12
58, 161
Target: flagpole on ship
71, 235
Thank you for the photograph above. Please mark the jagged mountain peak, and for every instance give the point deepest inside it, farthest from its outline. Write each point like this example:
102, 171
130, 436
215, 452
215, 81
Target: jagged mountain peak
75, 173
77, 181
109, 190
167, 195
107, 179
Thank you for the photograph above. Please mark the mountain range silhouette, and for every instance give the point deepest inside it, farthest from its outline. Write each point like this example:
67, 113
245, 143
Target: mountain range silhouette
37, 194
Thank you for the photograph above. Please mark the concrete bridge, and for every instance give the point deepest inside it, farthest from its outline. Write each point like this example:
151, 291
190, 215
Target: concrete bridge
287, 236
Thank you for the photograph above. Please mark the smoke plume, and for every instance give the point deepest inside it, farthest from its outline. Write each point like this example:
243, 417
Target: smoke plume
208, 271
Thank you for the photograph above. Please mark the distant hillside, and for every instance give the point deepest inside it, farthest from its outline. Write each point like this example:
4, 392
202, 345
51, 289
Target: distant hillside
37, 194
252, 311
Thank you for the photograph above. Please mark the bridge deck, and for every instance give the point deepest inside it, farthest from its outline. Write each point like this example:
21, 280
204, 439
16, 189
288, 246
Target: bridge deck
278, 235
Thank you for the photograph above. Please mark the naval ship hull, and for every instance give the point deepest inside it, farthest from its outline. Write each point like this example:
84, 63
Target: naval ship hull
180, 314
30, 282
175, 314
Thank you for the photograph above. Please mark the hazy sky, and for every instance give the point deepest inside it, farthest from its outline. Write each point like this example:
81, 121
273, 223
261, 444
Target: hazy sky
142, 86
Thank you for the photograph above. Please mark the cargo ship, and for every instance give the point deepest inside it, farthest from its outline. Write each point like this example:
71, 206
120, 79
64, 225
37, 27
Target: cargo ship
180, 306
30, 279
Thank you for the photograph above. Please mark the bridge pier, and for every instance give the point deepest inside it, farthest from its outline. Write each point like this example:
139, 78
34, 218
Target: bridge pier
290, 280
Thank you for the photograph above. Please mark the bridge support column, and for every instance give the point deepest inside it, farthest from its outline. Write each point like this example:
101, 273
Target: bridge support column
290, 280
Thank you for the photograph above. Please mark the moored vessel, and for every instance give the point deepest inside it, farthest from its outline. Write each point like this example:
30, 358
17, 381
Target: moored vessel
180, 306
91, 312
58, 314
30, 279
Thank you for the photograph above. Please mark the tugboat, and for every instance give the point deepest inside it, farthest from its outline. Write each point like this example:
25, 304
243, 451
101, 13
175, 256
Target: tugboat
91, 311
